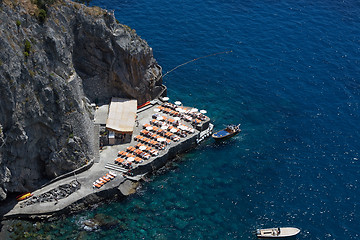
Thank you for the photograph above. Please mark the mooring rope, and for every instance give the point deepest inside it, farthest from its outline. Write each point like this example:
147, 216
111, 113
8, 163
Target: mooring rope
195, 59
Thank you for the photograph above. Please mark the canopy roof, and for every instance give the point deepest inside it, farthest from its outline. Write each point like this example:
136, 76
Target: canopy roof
122, 114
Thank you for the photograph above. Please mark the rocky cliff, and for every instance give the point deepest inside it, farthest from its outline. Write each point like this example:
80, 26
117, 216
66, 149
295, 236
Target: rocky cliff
52, 66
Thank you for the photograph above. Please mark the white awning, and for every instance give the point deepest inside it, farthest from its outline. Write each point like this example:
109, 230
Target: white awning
122, 114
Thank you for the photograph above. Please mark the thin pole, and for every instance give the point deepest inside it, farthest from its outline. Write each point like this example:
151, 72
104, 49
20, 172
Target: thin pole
195, 59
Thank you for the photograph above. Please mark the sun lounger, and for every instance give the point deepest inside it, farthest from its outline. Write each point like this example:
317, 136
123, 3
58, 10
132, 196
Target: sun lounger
110, 176
137, 138
154, 152
121, 153
129, 155
144, 132
119, 160
138, 160
102, 180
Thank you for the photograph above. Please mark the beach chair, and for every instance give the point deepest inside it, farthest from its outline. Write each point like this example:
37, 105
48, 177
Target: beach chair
119, 160
154, 152
102, 180
110, 176
138, 160
99, 182
121, 153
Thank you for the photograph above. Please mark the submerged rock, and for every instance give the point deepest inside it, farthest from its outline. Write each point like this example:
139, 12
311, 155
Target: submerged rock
82, 236
180, 224
51, 71
105, 221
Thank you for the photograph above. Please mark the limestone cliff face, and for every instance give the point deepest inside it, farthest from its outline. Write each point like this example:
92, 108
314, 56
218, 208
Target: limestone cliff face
49, 74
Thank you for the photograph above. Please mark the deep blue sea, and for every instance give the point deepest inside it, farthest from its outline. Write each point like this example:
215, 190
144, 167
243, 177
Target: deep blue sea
292, 80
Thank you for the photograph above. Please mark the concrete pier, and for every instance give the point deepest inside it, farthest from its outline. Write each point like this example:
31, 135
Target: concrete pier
122, 185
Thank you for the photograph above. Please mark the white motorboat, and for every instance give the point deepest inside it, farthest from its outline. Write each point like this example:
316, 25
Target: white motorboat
280, 232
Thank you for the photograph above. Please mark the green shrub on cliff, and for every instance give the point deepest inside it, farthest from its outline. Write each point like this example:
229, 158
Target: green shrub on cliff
42, 5
27, 48
42, 15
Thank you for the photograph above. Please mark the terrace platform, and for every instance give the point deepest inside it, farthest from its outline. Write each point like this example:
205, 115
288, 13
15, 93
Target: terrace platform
122, 185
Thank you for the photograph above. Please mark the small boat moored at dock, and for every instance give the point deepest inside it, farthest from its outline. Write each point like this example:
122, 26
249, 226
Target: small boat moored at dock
229, 131
282, 232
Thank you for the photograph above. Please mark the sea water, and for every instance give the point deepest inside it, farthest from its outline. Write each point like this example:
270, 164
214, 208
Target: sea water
291, 80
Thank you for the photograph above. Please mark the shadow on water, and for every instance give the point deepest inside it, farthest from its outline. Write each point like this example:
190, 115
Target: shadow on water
8, 204
227, 142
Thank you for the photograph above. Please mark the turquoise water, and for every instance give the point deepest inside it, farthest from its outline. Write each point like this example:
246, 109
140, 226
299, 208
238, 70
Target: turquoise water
291, 80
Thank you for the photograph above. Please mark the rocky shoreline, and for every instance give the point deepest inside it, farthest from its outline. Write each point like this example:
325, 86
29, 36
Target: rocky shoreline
54, 71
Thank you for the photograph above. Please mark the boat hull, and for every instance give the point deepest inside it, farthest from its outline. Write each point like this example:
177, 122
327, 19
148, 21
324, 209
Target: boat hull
222, 135
284, 232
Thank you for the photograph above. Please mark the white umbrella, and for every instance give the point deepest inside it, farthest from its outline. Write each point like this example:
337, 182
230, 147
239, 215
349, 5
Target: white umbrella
182, 127
177, 118
194, 110
173, 130
178, 103
164, 127
161, 139
165, 99
149, 128
178, 109
156, 110
203, 111
182, 110
131, 159
142, 148
160, 118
